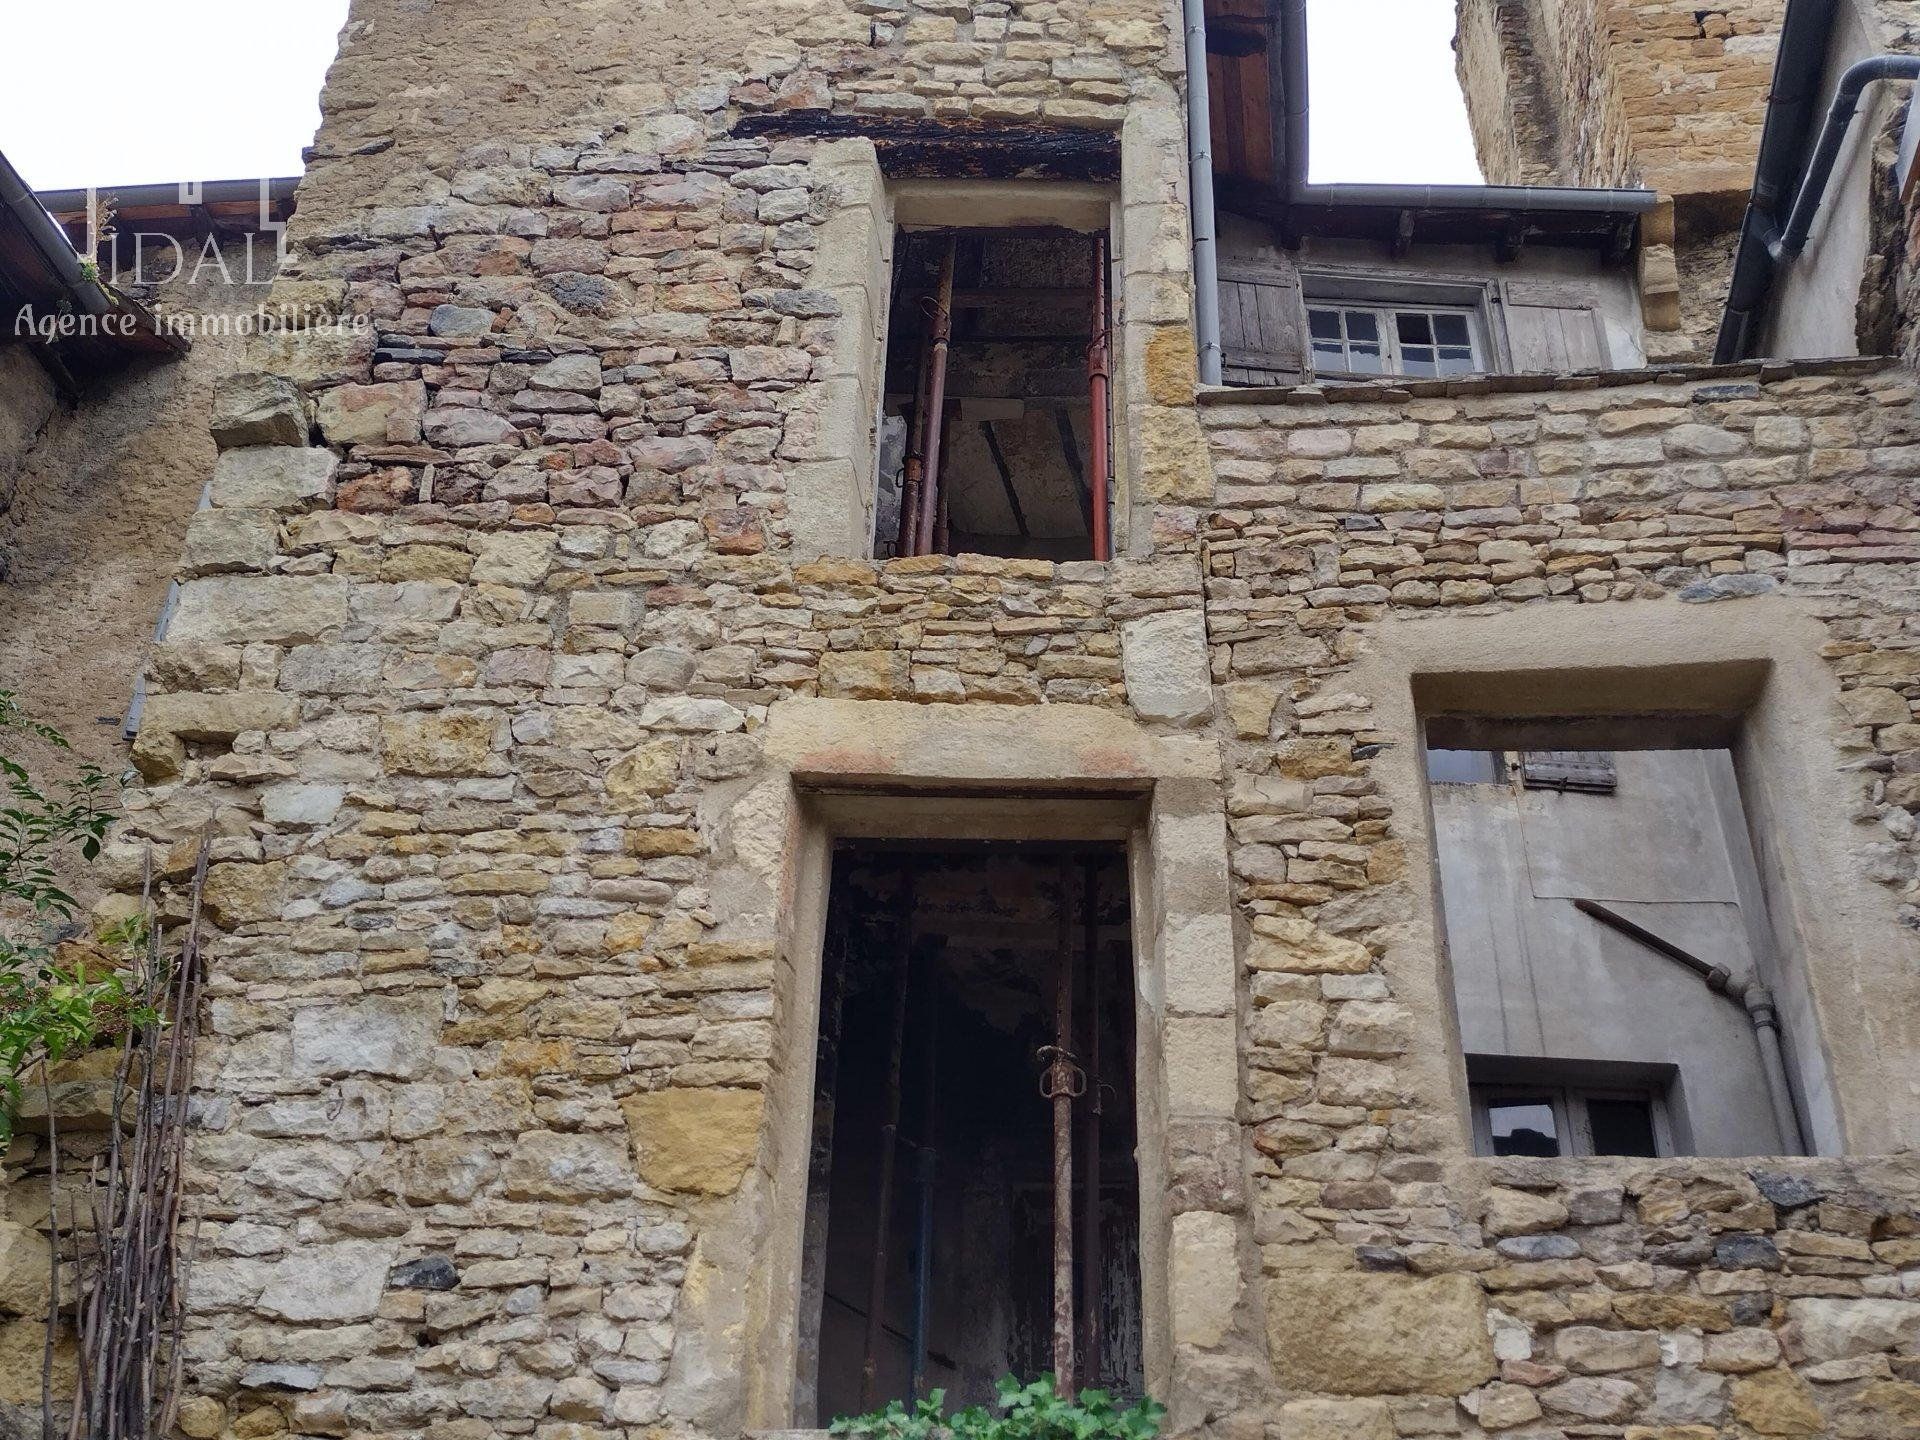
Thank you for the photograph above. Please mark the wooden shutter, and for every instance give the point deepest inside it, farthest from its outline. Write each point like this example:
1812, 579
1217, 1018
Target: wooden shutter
1260, 328
1589, 771
1553, 328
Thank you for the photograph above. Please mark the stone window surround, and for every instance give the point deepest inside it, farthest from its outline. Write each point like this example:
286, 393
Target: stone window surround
831, 495
993, 772
1757, 660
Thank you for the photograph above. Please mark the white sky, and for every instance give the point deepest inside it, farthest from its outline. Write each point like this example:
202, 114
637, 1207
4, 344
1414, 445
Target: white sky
1386, 104
164, 100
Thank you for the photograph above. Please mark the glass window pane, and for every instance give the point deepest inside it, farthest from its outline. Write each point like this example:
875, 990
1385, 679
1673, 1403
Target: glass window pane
1324, 324
1361, 325
1329, 357
1456, 362
1451, 329
1621, 1127
1414, 329
1417, 360
1465, 767
1523, 1126
1364, 359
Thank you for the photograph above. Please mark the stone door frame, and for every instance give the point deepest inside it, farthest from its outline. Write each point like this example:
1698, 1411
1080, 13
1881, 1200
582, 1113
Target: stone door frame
884, 770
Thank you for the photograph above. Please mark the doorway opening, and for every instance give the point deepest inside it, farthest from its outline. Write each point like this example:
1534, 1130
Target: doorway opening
996, 427
973, 1198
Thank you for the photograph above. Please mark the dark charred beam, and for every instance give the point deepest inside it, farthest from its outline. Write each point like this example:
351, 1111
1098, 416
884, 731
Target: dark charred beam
957, 149
1070, 448
1006, 476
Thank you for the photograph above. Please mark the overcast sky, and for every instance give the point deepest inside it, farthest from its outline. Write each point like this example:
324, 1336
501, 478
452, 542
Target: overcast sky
134, 94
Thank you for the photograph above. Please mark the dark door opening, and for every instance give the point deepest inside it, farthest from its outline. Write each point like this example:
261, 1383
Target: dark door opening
940, 996
995, 433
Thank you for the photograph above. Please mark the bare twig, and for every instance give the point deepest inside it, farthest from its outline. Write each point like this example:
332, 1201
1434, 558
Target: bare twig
129, 1313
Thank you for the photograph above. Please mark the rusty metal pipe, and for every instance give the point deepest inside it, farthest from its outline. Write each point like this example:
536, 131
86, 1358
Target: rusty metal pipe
912, 468
1090, 1260
1099, 378
1061, 1088
929, 504
889, 1147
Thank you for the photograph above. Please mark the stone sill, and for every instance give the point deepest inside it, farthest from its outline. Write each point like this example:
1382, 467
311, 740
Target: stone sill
1764, 371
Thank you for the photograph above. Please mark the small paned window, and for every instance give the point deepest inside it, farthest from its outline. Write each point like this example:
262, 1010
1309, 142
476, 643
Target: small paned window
1562, 1120
1388, 340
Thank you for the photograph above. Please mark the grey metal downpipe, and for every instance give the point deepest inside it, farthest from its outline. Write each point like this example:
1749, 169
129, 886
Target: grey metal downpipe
1206, 251
1791, 240
1751, 995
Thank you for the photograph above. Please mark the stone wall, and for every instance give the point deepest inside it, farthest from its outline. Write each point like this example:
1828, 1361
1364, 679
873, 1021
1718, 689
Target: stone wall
499, 703
1664, 95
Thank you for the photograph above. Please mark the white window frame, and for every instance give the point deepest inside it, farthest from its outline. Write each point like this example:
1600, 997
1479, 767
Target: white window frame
1570, 1119
1353, 288
1386, 316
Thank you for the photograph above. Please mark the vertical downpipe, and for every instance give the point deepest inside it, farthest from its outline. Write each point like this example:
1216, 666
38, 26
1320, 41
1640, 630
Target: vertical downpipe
1062, 1081
1099, 377
1206, 258
930, 496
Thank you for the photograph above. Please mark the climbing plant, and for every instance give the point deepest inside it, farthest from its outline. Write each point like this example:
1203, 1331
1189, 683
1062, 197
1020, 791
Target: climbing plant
50, 1006
1024, 1411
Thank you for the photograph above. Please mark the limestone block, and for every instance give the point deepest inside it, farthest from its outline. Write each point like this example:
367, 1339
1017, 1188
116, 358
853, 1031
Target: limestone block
1592, 1398
651, 770
257, 409
1324, 1419
219, 717
1198, 959
285, 609
552, 1165
1175, 467
1588, 1350
1520, 1212
24, 1280
459, 426
294, 803
694, 1140
391, 413
369, 1035
580, 374
516, 558
459, 322
1835, 1329
865, 674
219, 540
274, 477
1357, 1333
437, 742
22, 1354
1250, 707
342, 1281
1502, 1406
1164, 658
1203, 1072
1777, 1402
241, 894
1205, 1277
1287, 943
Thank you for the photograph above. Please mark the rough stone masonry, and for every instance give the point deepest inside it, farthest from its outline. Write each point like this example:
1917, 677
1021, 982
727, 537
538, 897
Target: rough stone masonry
496, 657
